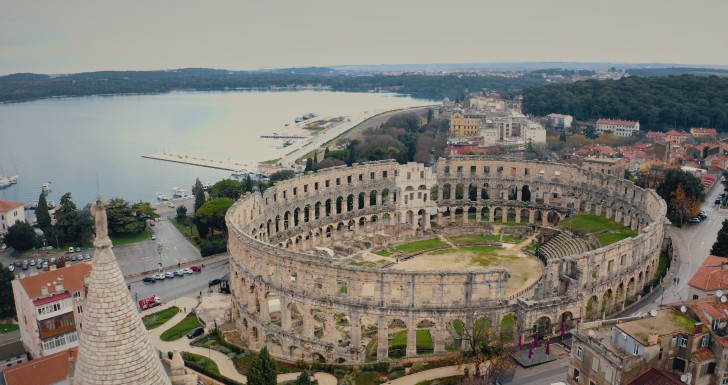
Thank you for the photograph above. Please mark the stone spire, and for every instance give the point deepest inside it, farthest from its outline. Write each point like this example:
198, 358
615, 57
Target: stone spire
114, 346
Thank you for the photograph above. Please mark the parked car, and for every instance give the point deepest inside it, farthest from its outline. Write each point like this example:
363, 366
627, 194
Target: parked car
70, 249
694, 220
179, 273
154, 237
213, 282
73, 258
88, 256
159, 277
703, 215
18, 263
11, 268
195, 332
169, 274
40, 261
717, 201
188, 271
149, 279
32, 262
195, 268
78, 249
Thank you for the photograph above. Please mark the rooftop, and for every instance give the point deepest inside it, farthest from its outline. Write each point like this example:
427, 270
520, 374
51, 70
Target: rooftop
618, 122
711, 276
666, 322
46, 370
72, 278
6, 206
657, 377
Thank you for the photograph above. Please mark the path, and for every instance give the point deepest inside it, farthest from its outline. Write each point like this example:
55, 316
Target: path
432, 374
224, 363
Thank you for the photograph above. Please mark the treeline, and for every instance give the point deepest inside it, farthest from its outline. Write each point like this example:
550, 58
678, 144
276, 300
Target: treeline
659, 103
404, 138
20, 87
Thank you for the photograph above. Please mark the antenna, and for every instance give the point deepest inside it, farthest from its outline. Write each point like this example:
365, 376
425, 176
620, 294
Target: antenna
723, 299
97, 184
653, 313
684, 378
719, 293
683, 309
591, 332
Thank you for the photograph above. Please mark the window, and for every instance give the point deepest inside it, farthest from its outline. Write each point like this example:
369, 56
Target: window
595, 364
576, 374
487, 169
525, 172
579, 352
472, 169
338, 181
295, 191
348, 179
513, 171
705, 341
361, 177
315, 186
682, 341
460, 169
500, 170
384, 174
305, 188
409, 175
371, 175
326, 184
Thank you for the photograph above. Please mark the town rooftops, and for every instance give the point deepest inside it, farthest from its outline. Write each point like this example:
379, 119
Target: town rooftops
603, 160
704, 131
713, 275
666, 322
46, 370
6, 206
618, 122
558, 116
72, 278
657, 377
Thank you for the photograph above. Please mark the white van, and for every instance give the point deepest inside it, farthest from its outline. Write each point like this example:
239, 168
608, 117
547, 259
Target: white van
70, 249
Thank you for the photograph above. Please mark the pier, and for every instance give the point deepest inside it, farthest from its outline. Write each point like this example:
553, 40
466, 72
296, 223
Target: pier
283, 137
197, 160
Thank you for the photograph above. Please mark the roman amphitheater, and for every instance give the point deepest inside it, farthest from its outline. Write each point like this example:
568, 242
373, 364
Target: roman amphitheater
382, 261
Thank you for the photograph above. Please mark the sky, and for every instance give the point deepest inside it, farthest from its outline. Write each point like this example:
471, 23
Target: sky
91, 35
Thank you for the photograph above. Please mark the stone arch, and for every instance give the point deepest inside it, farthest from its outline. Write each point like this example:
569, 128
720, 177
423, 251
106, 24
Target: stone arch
339, 205
511, 214
525, 193
567, 320
459, 191
350, 202
385, 197
306, 213
435, 192
398, 338
484, 192
446, 191
361, 201
327, 208
286, 220
472, 213
455, 333
525, 215
512, 193
553, 218
424, 336
542, 326
485, 214
373, 198
607, 302
591, 308
278, 221
472, 192
498, 213
296, 213
508, 328
342, 330
317, 210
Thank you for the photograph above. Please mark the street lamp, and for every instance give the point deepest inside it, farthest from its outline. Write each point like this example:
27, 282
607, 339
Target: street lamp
159, 250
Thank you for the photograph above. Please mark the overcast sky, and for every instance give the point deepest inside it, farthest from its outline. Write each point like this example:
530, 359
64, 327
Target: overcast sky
73, 36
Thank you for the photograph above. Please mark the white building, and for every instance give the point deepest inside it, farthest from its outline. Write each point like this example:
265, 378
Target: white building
50, 308
559, 121
10, 212
618, 127
534, 133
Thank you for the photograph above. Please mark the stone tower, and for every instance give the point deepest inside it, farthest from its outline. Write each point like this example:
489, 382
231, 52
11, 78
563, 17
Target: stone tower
114, 346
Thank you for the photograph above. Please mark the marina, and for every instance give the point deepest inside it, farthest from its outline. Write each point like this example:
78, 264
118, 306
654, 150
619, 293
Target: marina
197, 160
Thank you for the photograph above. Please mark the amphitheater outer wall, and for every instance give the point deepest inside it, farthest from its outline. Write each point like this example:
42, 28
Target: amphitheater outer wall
274, 236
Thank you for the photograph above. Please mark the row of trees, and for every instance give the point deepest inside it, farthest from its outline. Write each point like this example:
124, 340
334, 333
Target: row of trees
682, 191
659, 103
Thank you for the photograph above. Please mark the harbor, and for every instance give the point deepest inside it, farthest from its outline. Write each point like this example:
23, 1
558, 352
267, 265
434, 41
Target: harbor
197, 160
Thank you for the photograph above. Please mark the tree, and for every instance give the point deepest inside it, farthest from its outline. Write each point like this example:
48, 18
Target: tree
684, 206
182, 214
199, 193
82, 227
42, 215
591, 132
562, 136
263, 370
121, 218
692, 187
720, 247
281, 175
7, 302
212, 213
227, 188
304, 378
309, 165
65, 216
20, 236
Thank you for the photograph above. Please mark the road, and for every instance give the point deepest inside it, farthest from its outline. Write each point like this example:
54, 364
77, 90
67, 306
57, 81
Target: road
692, 243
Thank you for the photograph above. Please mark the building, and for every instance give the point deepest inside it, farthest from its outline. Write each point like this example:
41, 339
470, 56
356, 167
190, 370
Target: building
463, 126
607, 166
709, 278
613, 352
50, 305
618, 127
676, 137
12, 351
487, 103
559, 121
703, 132
534, 133
10, 212
49, 370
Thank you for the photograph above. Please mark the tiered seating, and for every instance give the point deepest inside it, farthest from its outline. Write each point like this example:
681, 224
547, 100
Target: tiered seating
563, 245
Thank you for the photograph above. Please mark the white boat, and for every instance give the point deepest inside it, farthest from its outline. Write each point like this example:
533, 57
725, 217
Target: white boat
239, 174
163, 196
206, 185
179, 192
7, 181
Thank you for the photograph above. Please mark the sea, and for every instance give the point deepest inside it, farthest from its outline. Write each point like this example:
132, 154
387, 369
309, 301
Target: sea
91, 145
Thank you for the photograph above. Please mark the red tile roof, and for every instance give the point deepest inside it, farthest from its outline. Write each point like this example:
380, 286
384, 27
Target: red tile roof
46, 370
711, 276
617, 122
703, 354
73, 280
6, 206
53, 298
711, 131
656, 377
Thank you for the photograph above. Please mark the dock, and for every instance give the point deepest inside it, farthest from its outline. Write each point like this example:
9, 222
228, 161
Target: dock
283, 137
198, 160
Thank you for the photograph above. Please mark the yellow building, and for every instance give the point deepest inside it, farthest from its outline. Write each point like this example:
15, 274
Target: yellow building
462, 126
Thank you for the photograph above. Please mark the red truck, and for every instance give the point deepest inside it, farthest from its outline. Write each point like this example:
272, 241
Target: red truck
149, 302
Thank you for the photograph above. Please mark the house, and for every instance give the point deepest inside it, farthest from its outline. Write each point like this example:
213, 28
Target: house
619, 351
717, 161
50, 308
703, 132
10, 212
559, 121
463, 126
676, 137
618, 127
607, 166
49, 370
710, 277
656, 136
12, 351
657, 377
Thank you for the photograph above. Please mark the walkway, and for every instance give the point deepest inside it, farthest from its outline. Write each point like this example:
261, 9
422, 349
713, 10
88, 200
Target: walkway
224, 364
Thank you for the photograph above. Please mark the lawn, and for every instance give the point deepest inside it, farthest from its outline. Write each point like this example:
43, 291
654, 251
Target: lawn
608, 238
202, 361
154, 320
686, 322
384, 252
662, 265
119, 240
366, 378
464, 240
482, 255
398, 343
591, 223
418, 246
181, 329
371, 265
7, 328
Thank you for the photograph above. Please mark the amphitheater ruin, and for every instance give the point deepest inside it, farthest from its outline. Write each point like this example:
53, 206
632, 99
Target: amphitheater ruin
317, 273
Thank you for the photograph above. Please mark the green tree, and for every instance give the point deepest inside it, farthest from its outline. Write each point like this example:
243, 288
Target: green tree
65, 217
281, 175
121, 218
720, 247
691, 186
562, 136
20, 236
82, 227
227, 188
182, 214
304, 378
212, 213
42, 215
7, 303
309, 165
199, 193
591, 132
263, 370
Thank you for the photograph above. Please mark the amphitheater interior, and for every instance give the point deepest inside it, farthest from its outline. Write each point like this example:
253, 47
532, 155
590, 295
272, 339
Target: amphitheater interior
381, 261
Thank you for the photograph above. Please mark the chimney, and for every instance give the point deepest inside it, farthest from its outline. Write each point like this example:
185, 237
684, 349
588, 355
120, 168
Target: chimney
698, 328
44, 290
724, 266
